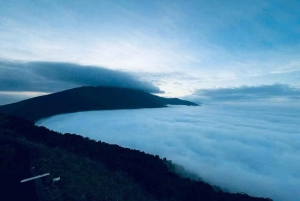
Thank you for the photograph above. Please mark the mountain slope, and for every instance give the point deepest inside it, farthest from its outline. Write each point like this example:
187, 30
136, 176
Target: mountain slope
86, 99
91, 170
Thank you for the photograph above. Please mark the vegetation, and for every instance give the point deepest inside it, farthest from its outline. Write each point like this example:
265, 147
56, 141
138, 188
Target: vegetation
84, 179
92, 170
14, 166
86, 99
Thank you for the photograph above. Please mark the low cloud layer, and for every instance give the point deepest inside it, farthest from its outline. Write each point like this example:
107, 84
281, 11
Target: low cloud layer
55, 76
247, 93
243, 148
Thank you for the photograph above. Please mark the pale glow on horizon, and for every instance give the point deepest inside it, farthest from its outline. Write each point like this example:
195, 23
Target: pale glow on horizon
23, 93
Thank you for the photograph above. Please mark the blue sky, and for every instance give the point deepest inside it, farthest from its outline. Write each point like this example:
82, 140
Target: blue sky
178, 46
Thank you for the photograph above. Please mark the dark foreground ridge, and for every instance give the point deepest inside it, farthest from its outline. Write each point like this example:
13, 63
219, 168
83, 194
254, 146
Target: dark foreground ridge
91, 170
87, 99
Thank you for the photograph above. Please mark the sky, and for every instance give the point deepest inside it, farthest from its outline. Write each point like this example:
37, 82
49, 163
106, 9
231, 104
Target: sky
176, 47
250, 148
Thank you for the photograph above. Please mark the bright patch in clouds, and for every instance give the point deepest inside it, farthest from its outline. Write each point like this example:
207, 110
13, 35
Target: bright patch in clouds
251, 148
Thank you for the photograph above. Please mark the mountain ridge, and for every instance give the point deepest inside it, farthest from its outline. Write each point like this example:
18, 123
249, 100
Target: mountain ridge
87, 98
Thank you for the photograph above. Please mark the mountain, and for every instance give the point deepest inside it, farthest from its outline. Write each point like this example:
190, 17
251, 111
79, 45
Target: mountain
87, 99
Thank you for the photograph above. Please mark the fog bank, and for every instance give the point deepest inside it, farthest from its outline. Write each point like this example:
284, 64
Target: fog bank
251, 148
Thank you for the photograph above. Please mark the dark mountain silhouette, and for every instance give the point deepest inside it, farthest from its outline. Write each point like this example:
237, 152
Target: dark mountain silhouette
87, 99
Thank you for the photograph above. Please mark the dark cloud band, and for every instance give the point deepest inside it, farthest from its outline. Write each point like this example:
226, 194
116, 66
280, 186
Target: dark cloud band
57, 76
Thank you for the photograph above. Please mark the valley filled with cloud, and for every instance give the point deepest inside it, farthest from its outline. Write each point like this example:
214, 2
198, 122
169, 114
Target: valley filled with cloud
242, 147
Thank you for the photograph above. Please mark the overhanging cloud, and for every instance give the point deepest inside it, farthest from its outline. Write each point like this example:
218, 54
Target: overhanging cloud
57, 76
248, 93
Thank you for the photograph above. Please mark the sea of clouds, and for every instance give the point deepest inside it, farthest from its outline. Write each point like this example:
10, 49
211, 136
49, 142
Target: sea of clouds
252, 148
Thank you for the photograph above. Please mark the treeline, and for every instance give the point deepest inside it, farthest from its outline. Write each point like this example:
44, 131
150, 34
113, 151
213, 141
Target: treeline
148, 173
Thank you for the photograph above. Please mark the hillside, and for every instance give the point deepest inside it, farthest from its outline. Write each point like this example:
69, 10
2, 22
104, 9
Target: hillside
87, 99
91, 170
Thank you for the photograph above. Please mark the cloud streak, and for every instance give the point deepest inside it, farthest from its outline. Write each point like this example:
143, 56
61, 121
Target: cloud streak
247, 93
